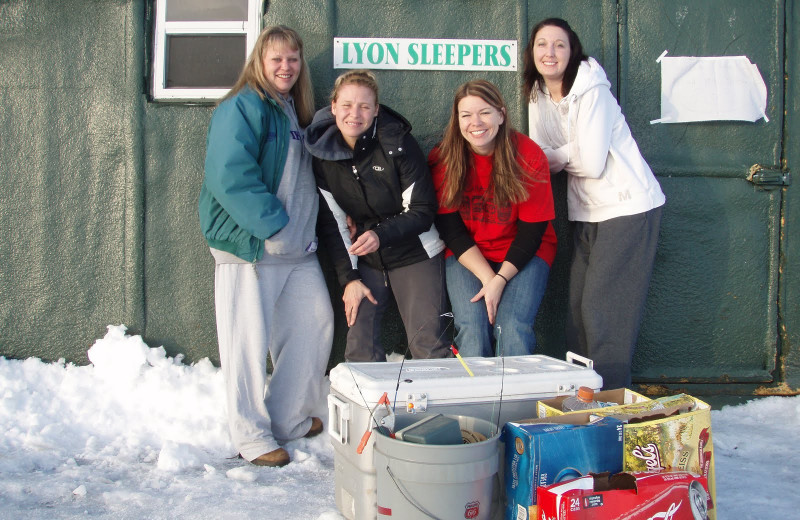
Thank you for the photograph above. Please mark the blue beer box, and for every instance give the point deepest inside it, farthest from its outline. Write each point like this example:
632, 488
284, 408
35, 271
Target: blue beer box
545, 451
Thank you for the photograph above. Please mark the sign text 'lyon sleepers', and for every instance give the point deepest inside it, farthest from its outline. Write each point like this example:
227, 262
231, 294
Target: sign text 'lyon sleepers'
424, 54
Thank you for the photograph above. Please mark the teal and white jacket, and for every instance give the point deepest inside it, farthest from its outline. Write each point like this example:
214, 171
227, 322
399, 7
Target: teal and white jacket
246, 149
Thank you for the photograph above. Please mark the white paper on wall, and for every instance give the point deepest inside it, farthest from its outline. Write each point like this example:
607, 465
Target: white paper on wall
710, 88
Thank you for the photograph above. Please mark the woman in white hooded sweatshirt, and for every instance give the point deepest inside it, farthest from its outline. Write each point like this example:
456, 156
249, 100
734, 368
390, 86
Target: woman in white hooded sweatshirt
613, 198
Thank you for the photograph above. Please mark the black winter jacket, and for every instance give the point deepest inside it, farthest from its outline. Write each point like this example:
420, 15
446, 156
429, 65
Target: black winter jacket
384, 185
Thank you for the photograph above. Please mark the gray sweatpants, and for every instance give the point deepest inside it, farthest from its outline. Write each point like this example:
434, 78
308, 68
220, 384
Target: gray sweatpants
285, 309
609, 278
420, 294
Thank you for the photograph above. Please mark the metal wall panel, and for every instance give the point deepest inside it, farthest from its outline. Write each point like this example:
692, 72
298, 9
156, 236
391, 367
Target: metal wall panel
712, 311
98, 219
70, 148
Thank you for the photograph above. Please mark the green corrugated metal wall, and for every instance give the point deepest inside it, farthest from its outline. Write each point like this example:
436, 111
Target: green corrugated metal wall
99, 185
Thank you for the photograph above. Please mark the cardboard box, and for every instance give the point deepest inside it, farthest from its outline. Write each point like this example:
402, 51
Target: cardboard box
658, 441
543, 451
633, 496
621, 396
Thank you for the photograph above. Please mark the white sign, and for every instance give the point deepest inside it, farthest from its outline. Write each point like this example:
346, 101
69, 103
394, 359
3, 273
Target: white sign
710, 88
424, 54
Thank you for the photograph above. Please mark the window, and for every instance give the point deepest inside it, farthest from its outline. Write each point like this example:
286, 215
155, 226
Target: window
200, 46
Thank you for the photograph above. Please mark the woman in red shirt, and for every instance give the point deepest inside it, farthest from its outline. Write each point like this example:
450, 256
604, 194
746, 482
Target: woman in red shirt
495, 207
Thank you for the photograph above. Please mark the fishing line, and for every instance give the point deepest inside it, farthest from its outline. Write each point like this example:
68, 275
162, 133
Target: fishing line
499, 351
366, 403
400, 372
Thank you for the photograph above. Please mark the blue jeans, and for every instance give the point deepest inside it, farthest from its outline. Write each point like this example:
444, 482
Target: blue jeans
512, 333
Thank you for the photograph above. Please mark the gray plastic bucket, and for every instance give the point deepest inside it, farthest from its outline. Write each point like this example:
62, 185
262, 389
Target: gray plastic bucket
422, 481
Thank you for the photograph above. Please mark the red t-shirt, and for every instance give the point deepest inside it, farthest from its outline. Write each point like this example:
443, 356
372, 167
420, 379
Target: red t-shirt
492, 228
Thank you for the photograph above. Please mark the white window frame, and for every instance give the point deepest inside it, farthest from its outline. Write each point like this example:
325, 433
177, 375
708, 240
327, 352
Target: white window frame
251, 28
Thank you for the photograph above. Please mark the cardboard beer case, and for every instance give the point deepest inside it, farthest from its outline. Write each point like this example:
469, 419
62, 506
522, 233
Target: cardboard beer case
500, 389
541, 452
621, 396
629, 496
675, 438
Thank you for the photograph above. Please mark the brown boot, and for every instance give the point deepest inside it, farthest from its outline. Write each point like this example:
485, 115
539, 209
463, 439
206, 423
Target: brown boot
316, 427
275, 459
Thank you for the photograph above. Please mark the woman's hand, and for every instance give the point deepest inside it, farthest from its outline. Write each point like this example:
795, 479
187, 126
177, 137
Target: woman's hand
354, 292
492, 293
366, 243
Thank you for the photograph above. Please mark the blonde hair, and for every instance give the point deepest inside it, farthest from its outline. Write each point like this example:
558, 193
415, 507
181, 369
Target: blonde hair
509, 179
252, 74
361, 77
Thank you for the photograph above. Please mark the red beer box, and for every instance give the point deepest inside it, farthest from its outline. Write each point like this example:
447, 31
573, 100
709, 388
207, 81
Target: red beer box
628, 496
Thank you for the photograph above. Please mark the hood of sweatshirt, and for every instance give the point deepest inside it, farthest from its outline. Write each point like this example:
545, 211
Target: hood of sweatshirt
325, 141
590, 75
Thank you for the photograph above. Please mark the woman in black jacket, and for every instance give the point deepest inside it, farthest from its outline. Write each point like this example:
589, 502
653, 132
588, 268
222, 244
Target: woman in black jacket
369, 167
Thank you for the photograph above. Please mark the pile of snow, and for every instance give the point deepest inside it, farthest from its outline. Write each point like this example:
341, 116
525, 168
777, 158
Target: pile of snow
137, 434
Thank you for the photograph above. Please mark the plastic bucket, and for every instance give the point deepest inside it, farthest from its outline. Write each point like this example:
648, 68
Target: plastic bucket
423, 481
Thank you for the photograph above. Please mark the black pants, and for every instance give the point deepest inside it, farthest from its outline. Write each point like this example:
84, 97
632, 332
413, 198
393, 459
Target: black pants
419, 291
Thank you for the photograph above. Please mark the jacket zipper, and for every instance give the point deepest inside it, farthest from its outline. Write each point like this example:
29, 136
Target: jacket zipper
255, 259
358, 178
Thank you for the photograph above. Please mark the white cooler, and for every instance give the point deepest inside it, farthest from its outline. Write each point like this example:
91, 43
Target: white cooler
502, 389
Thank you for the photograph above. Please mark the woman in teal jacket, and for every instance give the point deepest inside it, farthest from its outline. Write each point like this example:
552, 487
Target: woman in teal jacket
258, 209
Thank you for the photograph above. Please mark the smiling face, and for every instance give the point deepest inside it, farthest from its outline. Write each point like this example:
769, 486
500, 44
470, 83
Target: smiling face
551, 53
479, 123
282, 66
354, 108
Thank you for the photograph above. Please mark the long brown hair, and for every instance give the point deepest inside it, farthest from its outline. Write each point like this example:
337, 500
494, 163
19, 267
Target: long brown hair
253, 72
532, 79
509, 179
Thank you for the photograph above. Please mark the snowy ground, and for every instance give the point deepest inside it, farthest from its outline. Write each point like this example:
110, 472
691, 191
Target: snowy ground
140, 435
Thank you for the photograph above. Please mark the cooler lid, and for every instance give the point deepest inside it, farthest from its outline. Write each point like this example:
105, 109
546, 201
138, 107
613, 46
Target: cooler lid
446, 380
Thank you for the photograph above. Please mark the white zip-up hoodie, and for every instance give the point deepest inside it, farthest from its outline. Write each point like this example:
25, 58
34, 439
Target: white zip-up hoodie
586, 135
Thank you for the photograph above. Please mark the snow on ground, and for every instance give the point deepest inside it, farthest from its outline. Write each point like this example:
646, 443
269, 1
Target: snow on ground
137, 434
